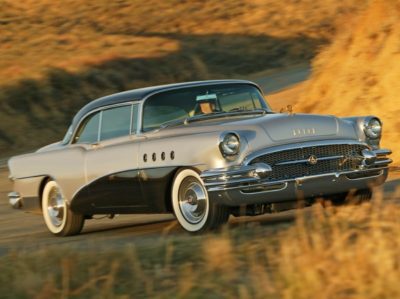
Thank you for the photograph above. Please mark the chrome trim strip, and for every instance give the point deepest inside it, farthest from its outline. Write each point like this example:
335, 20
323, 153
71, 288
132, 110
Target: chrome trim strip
290, 146
226, 171
382, 152
100, 124
232, 182
306, 160
131, 121
364, 177
137, 116
284, 186
382, 162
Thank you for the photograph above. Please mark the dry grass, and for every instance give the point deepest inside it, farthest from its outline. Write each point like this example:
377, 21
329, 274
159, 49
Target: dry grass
359, 72
331, 252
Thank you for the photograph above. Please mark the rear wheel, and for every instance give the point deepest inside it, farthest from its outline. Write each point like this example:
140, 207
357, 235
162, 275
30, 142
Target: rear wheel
191, 205
59, 219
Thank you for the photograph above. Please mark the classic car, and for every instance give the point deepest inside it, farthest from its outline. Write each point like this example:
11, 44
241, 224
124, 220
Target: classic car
201, 150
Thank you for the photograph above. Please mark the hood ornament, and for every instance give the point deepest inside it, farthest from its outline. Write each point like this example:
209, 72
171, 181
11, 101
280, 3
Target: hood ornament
288, 109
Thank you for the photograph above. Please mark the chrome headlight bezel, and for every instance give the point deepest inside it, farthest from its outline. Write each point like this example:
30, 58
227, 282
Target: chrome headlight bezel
229, 145
373, 128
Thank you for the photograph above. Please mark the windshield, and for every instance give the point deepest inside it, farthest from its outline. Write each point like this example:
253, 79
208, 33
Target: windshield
200, 100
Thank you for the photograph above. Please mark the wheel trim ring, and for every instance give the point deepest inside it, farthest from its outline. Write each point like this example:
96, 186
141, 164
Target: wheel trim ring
46, 193
192, 199
179, 177
56, 207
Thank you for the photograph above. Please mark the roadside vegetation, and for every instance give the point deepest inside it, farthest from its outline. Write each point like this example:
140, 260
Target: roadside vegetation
332, 252
57, 56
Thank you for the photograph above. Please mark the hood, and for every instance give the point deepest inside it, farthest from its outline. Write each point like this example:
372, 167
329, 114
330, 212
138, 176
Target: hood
50, 147
282, 127
275, 128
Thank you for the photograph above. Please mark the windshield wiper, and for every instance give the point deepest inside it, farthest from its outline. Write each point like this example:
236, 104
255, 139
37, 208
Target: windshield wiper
186, 120
172, 123
254, 111
215, 114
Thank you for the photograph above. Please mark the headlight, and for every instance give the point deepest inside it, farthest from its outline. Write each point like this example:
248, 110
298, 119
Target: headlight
230, 145
373, 128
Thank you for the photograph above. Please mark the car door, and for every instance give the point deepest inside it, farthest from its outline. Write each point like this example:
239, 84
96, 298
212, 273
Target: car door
111, 162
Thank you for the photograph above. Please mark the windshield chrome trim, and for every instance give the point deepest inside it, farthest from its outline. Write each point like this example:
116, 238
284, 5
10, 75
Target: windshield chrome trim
99, 128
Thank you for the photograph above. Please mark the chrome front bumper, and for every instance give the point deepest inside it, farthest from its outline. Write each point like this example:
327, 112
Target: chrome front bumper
248, 184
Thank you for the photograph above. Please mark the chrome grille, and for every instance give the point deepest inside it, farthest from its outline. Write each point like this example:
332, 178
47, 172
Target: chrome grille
344, 157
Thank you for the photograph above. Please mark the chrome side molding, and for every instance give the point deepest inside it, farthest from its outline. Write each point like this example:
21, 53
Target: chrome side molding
236, 175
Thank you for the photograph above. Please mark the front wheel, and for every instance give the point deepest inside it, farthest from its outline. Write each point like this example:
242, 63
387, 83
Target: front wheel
59, 219
191, 205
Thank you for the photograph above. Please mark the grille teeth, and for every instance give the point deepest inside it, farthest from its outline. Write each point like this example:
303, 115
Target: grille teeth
291, 171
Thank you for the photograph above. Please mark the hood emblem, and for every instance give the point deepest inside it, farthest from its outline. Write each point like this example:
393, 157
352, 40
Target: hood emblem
312, 160
304, 131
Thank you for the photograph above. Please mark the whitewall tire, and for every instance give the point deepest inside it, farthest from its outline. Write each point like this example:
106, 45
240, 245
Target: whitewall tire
191, 204
59, 219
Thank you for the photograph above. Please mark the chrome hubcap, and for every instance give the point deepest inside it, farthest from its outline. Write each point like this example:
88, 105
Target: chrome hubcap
192, 200
56, 207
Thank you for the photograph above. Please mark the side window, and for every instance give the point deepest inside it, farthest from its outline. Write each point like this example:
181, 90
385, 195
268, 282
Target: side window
115, 122
89, 130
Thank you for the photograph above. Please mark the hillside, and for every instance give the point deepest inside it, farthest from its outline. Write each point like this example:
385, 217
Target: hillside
358, 74
56, 56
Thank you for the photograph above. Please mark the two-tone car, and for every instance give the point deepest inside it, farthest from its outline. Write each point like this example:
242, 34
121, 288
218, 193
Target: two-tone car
201, 150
